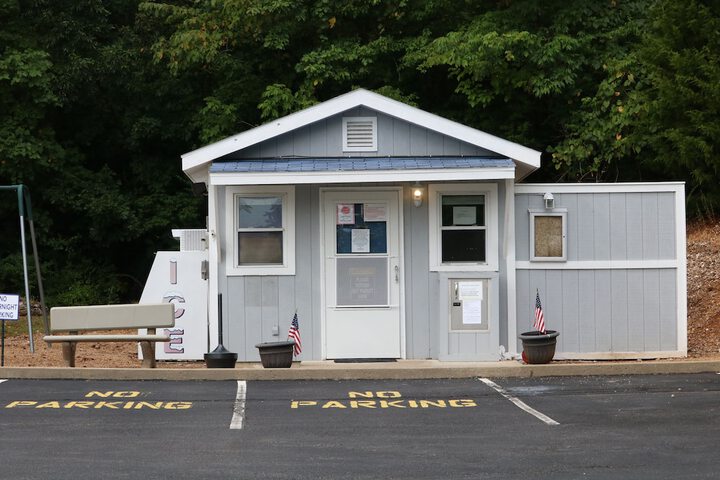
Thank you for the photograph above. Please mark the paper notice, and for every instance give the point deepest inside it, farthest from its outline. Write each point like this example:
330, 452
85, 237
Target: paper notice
470, 290
345, 214
360, 240
374, 212
464, 215
472, 312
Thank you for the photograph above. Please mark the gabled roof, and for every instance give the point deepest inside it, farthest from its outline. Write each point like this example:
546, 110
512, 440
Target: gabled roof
196, 161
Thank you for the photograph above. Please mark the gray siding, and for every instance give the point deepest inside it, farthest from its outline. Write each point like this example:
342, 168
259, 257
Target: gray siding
607, 226
254, 305
418, 286
602, 310
426, 296
605, 310
395, 138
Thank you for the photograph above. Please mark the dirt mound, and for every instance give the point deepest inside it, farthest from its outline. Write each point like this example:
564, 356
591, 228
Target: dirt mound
703, 265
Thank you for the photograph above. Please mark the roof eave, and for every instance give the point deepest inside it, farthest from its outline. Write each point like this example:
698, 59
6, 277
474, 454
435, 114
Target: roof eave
200, 157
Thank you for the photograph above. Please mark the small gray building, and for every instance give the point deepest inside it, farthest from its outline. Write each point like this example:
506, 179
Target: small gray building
395, 233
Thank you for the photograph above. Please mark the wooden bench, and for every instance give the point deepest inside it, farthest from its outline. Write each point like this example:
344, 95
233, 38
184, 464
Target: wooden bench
111, 317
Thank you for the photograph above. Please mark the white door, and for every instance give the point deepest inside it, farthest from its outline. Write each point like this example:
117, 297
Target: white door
363, 274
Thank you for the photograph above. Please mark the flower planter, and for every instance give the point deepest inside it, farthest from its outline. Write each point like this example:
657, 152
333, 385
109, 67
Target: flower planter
276, 354
538, 347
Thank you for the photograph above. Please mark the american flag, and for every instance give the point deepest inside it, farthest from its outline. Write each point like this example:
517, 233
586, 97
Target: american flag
294, 333
539, 323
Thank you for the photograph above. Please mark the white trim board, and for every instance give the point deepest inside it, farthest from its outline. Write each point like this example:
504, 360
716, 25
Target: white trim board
597, 265
378, 176
541, 188
511, 268
360, 97
681, 252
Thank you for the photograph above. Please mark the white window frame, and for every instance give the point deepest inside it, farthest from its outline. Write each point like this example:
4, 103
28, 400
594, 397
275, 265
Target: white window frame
435, 193
287, 194
347, 148
555, 212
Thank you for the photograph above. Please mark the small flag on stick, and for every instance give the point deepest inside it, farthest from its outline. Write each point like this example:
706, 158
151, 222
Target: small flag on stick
294, 334
539, 323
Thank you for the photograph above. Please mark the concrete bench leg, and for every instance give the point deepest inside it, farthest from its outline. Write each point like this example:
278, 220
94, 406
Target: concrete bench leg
148, 351
68, 353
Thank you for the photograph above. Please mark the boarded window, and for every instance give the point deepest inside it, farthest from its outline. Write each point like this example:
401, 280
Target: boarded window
548, 236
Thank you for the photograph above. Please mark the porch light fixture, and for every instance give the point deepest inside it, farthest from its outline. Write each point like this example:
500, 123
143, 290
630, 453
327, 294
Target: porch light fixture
549, 201
417, 194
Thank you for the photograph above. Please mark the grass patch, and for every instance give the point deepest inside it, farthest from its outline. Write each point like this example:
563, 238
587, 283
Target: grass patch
13, 328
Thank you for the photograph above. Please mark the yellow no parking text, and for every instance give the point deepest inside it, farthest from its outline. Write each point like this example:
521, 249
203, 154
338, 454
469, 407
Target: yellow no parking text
382, 399
109, 400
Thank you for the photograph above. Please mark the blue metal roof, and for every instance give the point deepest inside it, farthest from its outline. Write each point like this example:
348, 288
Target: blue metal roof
341, 164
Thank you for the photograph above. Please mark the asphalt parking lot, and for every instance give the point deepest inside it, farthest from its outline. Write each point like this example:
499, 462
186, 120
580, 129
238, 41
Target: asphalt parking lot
661, 426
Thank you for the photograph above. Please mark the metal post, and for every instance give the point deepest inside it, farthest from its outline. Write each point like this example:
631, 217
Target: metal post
27, 284
220, 319
37, 261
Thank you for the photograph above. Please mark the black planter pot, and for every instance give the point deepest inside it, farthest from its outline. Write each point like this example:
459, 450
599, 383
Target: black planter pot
276, 354
538, 347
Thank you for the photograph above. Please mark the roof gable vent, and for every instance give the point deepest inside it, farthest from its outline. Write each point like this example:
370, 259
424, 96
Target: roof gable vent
359, 134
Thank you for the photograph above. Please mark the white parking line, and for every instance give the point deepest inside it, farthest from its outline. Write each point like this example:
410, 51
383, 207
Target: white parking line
239, 409
519, 403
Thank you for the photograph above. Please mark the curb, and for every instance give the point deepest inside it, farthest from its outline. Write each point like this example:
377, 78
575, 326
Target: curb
498, 370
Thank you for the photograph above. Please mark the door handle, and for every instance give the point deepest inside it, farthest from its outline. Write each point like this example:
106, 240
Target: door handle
397, 274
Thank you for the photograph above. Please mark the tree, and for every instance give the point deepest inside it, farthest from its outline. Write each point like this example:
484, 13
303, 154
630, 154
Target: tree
681, 130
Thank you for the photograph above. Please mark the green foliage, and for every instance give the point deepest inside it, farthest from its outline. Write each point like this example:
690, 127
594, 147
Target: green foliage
682, 129
99, 98
94, 129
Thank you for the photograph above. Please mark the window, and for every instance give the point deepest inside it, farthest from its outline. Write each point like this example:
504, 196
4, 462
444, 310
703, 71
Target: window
261, 230
548, 235
463, 227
